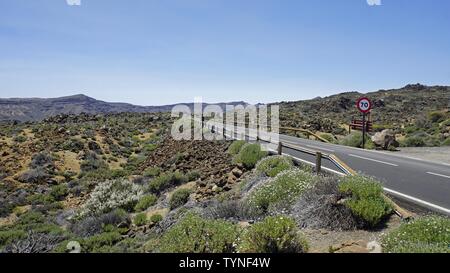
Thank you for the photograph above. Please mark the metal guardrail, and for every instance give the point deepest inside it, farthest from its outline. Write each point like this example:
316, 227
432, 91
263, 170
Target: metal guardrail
305, 131
345, 169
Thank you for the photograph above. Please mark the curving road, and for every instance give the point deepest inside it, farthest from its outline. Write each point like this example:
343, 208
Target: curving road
422, 182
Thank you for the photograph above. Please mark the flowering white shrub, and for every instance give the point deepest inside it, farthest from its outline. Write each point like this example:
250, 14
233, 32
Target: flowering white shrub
111, 194
286, 187
430, 234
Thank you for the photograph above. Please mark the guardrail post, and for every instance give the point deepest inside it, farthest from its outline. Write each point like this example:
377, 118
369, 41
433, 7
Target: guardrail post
318, 162
280, 146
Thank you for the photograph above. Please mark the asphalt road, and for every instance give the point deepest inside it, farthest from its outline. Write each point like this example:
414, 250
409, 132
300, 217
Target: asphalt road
427, 183
421, 182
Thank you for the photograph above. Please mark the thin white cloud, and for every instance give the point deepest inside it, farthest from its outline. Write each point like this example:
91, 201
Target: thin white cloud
374, 2
73, 2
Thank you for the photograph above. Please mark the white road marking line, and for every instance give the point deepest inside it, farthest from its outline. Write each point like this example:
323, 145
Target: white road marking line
320, 148
374, 160
438, 174
428, 204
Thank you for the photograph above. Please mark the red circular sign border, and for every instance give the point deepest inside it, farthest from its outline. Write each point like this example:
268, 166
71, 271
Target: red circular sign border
370, 105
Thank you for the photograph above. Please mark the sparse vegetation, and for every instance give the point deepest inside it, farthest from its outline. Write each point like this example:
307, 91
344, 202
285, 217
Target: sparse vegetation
166, 180
283, 188
277, 234
114, 183
446, 142
179, 198
273, 165
145, 202
211, 236
152, 172
140, 219
429, 234
59, 192
249, 155
193, 175
156, 218
355, 140
236, 146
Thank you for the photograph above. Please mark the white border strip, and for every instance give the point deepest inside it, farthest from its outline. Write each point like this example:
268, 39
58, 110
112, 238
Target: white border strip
417, 200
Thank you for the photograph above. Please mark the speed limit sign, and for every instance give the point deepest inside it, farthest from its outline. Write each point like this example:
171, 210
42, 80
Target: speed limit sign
364, 105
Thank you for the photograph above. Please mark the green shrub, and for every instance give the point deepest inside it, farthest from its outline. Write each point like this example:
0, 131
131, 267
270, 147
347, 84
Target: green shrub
28, 221
193, 175
429, 234
140, 219
236, 146
92, 163
150, 147
11, 235
118, 173
156, 218
179, 198
166, 180
366, 198
355, 140
152, 171
20, 138
36, 175
446, 122
284, 188
194, 234
446, 142
436, 116
58, 192
73, 144
41, 199
411, 129
145, 202
273, 165
329, 137
413, 141
432, 141
249, 155
101, 243
133, 162
277, 234
177, 158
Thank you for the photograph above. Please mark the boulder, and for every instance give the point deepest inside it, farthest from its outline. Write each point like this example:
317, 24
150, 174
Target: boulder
350, 247
237, 172
385, 139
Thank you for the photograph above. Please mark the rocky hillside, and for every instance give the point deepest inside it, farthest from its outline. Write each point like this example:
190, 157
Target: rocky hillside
392, 108
120, 183
34, 109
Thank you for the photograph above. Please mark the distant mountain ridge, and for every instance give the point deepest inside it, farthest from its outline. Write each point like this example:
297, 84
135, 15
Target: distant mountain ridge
34, 109
390, 106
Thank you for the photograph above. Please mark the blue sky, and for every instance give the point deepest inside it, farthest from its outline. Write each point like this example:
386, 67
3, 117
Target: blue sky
152, 52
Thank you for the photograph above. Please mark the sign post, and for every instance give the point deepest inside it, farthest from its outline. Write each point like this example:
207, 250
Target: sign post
364, 106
